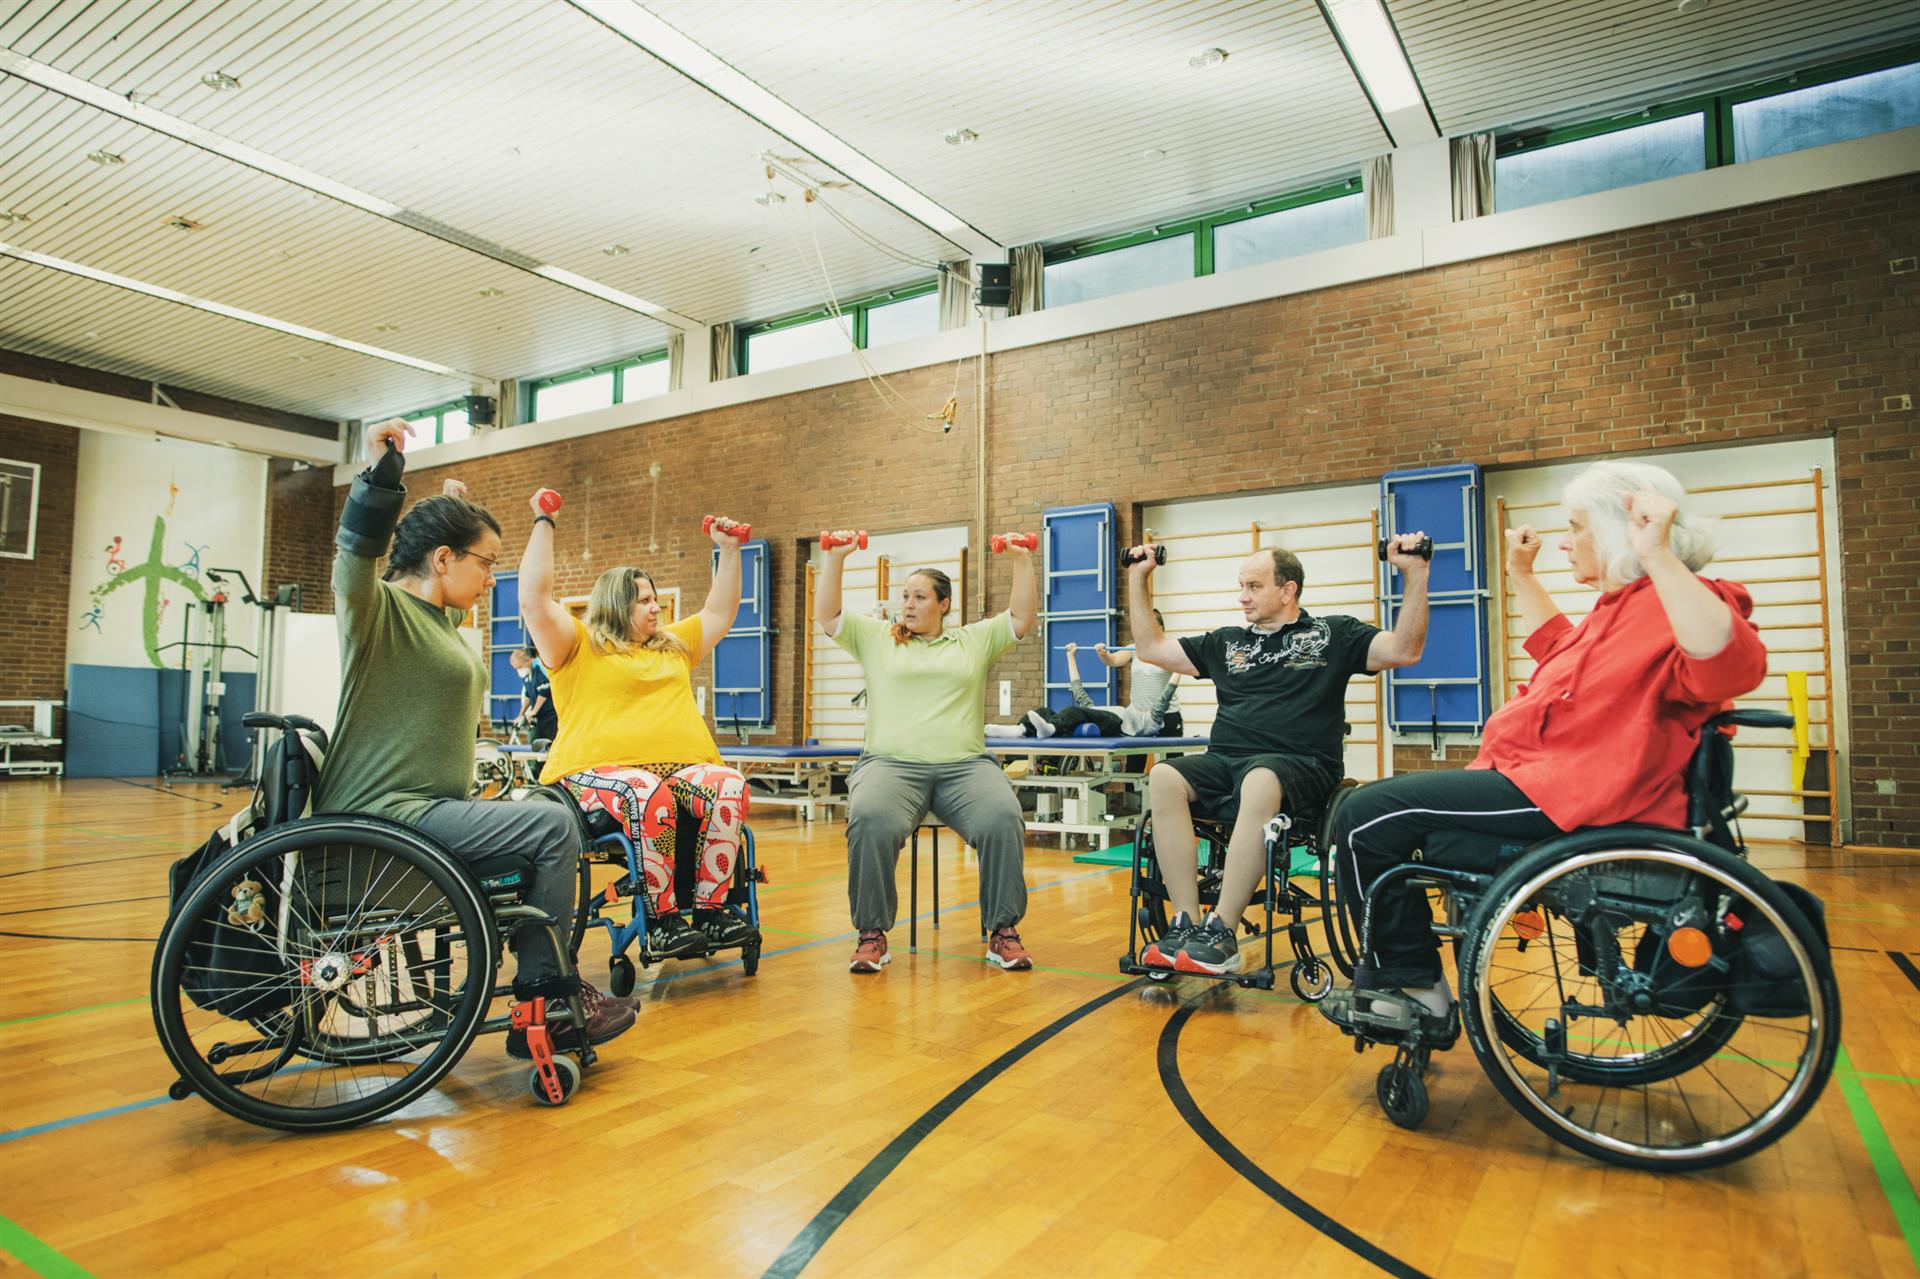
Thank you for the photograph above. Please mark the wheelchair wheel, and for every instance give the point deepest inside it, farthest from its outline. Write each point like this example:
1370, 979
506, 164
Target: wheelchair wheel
1637, 1024
1343, 939
1402, 1095
374, 962
1311, 979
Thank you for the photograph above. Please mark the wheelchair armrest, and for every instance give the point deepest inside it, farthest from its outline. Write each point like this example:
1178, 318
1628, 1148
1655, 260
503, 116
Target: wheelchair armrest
1751, 719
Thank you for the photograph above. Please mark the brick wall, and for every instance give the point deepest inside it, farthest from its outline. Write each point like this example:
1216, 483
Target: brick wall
1768, 322
36, 590
299, 533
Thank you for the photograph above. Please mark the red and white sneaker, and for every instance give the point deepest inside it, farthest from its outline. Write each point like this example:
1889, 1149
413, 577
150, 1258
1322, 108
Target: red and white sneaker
1165, 952
870, 956
1004, 949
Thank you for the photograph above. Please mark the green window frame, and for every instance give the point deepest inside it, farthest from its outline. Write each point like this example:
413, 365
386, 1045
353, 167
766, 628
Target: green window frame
1716, 107
438, 413
618, 368
854, 312
1202, 227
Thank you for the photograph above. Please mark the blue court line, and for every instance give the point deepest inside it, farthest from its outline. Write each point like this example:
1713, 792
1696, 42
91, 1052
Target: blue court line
664, 978
17, 1133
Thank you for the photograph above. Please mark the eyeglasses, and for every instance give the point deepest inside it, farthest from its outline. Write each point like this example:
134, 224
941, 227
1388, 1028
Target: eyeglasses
490, 564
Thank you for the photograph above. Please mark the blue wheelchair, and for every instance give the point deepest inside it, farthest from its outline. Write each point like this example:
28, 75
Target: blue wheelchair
607, 842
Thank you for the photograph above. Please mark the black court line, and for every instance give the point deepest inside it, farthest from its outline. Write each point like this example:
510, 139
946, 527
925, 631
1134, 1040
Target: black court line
168, 790
102, 861
814, 1235
117, 901
64, 937
1905, 965
1237, 1160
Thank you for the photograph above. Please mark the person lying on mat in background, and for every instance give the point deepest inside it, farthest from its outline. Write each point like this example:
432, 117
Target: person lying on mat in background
925, 749
632, 740
1150, 703
1276, 744
411, 692
1601, 735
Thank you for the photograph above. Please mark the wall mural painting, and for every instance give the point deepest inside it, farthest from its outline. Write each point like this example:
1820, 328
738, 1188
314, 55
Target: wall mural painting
153, 574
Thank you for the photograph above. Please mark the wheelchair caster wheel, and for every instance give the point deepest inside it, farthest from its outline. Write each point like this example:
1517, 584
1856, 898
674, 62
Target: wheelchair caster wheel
1402, 1095
179, 1090
620, 976
1311, 980
1159, 974
750, 960
568, 1073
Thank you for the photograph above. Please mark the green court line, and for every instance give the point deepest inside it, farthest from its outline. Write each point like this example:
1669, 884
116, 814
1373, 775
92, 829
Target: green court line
1893, 1178
68, 1012
37, 1256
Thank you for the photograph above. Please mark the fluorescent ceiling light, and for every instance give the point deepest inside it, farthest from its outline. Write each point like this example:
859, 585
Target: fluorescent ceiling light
1376, 53
707, 70
138, 112
231, 312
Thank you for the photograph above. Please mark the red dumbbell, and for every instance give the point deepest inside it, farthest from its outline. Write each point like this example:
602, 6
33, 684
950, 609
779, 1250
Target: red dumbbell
1025, 541
739, 532
548, 499
828, 541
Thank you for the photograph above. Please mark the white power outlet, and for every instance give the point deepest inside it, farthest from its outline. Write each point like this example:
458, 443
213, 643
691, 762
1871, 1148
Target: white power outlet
700, 697
1006, 697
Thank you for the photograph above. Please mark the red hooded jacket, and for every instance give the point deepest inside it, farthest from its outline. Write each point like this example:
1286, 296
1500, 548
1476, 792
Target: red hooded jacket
1603, 733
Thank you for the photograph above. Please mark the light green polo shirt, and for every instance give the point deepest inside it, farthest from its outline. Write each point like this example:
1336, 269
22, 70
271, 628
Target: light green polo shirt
926, 699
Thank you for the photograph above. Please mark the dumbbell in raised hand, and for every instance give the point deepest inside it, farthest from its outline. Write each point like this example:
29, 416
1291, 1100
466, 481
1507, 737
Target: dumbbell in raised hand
549, 500
1424, 550
828, 541
1026, 541
1134, 555
739, 532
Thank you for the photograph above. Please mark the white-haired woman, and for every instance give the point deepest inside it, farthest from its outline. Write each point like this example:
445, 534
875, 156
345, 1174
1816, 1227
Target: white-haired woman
1601, 735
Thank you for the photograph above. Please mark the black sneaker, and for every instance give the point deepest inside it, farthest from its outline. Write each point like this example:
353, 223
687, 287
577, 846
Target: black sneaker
1163, 953
672, 937
609, 1019
1391, 1017
722, 929
1209, 949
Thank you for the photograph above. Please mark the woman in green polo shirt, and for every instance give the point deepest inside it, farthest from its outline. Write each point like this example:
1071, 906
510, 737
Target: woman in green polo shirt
926, 750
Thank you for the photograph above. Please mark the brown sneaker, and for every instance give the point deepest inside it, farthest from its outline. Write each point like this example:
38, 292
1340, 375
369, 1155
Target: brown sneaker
870, 956
607, 1018
591, 1000
1005, 949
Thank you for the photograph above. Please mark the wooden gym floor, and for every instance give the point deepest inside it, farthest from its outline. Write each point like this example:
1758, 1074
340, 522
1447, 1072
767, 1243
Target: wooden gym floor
943, 1118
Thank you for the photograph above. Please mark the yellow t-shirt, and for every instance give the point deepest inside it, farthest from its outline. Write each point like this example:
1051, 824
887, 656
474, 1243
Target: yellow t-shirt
627, 708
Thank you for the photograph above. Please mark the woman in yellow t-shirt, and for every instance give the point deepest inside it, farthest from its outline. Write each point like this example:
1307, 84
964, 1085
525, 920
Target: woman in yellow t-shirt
632, 741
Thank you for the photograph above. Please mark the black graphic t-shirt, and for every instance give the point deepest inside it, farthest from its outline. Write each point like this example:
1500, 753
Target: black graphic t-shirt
1285, 691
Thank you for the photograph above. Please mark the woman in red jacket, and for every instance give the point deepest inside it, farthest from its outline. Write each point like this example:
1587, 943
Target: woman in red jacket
1600, 737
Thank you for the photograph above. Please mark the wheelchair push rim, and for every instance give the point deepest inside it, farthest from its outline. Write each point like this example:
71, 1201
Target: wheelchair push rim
357, 993
1646, 1107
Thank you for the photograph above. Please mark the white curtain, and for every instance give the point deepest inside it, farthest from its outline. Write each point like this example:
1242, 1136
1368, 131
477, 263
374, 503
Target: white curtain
1472, 176
956, 295
1379, 184
1029, 279
676, 361
723, 361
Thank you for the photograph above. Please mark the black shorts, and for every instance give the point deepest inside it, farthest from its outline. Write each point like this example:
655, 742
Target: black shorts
1305, 781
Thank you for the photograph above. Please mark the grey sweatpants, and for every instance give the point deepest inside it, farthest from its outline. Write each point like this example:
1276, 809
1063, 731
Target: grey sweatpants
547, 833
886, 800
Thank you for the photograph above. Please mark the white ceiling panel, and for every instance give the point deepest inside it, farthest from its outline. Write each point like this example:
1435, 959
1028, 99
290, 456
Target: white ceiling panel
1065, 97
1504, 63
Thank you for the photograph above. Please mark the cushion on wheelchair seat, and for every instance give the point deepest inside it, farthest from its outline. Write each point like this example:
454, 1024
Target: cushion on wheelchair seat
1471, 849
497, 865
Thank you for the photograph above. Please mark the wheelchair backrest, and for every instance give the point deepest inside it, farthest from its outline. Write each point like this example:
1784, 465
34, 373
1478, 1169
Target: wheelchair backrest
289, 775
1712, 803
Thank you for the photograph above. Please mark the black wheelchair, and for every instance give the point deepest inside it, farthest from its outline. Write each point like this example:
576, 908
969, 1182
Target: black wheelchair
1642, 995
1280, 893
319, 972
606, 841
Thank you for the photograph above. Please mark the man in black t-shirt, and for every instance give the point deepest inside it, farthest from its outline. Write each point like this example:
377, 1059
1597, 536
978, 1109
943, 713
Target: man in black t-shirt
1276, 744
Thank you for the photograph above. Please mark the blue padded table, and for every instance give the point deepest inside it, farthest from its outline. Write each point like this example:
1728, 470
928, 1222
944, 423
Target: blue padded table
1092, 764
802, 775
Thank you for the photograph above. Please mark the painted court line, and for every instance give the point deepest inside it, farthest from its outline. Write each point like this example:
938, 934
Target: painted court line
38, 1257
1886, 1164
